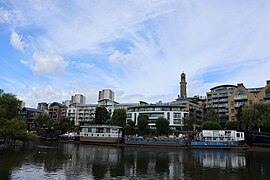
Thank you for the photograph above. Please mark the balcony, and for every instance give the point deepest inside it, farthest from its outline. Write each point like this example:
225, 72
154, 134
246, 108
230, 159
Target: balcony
242, 97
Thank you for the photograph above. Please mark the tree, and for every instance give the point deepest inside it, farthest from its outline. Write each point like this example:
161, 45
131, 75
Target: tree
119, 117
101, 115
211, 115
231, 125
209, 125
127, 129
65, 124
255, 116
9, 105
143, 124
189, 121
162, 126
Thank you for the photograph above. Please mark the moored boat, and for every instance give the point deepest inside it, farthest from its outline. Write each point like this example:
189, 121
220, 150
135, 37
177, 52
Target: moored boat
101, 134
218, 138
157, 141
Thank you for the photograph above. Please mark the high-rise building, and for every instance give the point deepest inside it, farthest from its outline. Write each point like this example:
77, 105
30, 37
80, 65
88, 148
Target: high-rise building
106, 94
78, 98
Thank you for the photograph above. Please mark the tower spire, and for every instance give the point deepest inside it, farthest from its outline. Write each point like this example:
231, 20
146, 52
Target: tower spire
183, 86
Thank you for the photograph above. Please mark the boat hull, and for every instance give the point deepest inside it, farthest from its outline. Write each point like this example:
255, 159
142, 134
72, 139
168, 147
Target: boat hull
223, 144
156, 142
99, 139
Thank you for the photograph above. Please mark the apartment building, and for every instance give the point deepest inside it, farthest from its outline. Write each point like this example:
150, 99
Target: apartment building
227, 99
173, 113
242, 96
217, 99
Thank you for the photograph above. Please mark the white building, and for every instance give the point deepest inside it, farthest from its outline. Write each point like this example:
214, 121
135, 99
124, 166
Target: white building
173, 113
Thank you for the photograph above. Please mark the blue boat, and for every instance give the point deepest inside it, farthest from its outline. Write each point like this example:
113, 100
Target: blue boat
218, 138
260, 138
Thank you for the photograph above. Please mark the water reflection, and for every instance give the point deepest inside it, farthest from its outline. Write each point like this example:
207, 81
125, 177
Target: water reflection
220, 159
80, 161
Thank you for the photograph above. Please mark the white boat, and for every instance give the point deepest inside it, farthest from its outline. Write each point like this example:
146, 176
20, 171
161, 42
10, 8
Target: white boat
218, 138
101, 134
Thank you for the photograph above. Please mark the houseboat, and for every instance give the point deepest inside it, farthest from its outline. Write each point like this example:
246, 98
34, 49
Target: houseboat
218, 138
101, 134
157, 141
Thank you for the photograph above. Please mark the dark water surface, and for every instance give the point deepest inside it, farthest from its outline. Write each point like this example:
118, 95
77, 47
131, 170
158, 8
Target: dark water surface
47, 160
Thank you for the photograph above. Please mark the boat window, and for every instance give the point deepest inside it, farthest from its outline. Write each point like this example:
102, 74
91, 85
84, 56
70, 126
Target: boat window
237, 134
107, 130
89, 129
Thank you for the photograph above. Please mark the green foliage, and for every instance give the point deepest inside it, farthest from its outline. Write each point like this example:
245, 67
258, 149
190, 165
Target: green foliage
9, 105
189, 121
44, 121
65, 124
255, 116
210, 125
231, 125
101, 115
162, 126
119, 117
143, 124
128, 130
211, 115
131, 123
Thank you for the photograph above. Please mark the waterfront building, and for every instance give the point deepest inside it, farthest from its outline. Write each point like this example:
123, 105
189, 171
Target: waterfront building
30, 115
242, 96
227, 99
85, 113
217, 99
173, 113
57, 111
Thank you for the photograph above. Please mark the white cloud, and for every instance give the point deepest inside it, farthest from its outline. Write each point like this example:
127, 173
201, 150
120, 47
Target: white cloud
8, 16
164, 38
16, 41
48, 64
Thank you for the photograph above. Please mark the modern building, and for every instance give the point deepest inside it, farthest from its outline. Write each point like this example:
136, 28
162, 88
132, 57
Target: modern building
217, 99
227, 99
57, 111
242, 96
78, 98
106, 99
86, 113
173, 113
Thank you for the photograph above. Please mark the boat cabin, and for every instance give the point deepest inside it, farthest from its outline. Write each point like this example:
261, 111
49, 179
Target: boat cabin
221, 135
100, 133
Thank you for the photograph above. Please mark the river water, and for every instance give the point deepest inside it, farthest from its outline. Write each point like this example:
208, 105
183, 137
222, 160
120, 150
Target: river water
50, 160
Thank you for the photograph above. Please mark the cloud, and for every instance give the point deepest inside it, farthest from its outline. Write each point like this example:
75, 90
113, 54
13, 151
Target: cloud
16, 41
48, 64
8, 17
141, 47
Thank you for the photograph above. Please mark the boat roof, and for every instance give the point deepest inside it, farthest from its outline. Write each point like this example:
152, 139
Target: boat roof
100, 126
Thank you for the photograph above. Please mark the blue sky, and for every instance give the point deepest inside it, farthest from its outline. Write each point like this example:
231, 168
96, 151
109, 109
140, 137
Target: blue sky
50, 50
